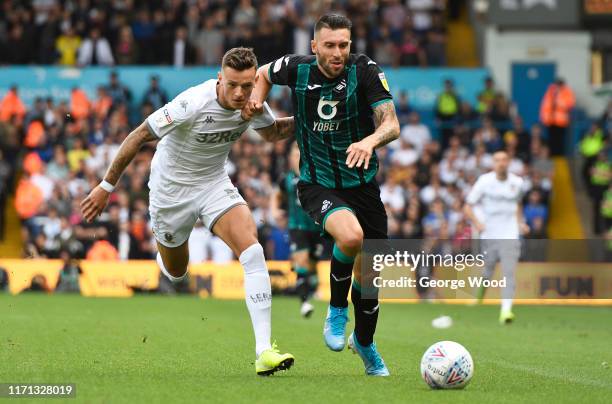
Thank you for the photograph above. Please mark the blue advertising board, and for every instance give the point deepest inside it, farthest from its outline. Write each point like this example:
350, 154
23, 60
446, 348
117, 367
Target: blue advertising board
422, 85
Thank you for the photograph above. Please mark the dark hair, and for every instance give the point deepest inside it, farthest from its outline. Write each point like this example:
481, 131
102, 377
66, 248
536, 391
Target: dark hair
239, 59
333, 22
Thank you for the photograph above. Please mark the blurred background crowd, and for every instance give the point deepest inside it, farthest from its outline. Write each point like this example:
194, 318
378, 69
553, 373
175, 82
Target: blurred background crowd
179, 33
53, 152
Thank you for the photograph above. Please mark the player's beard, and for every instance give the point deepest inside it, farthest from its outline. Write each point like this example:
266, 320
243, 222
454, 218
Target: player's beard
331, 72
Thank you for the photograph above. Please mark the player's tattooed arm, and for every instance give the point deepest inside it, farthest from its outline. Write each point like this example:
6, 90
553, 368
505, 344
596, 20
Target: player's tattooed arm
387, 125
93, 205
130, 146
387, 130
283, 128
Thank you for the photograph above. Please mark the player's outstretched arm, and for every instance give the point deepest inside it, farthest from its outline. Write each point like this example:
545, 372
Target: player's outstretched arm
282, 128
387, 130
263, 85
97, 199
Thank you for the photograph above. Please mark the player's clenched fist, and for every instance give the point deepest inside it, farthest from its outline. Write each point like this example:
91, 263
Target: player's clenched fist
359, 153
251, 109
94, 204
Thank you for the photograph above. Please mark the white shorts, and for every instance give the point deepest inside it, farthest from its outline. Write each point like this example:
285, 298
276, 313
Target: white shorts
172, 220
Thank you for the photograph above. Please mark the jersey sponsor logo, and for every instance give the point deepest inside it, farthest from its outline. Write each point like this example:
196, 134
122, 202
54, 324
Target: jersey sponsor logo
314, 86
326, 205
327, 109
167, 115
231, 193
383, 80
209, 119
218, 137
326, 126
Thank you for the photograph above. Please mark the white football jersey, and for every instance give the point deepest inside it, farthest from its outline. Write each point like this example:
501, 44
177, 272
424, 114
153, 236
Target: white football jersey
196, 135
498, 201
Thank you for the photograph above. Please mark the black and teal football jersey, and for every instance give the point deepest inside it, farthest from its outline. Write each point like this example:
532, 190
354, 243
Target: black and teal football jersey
298, 219
330, 114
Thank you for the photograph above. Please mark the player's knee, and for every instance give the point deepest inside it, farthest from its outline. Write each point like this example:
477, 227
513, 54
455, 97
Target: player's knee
351, 240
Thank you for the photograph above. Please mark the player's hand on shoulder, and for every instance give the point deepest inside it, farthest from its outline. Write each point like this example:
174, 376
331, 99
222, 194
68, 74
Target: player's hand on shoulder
359, 153
251, 109
94, 203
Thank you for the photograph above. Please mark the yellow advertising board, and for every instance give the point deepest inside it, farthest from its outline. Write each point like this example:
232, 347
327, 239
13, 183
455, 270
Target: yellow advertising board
547, 283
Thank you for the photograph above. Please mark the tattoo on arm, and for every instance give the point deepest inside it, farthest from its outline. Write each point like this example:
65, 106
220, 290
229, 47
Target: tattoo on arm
127, 151
283, 128
387, 125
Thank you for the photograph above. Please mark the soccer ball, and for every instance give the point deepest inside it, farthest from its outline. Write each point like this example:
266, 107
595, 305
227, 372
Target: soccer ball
447, 365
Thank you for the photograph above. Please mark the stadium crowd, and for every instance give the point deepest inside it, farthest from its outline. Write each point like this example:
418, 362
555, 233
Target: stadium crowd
187, 32
63, 149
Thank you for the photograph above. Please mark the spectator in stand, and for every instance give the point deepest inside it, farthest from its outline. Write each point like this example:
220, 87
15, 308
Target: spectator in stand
435, 47
80, 106
77, 154
11, 107
535, 213
95, 50
67, 46
17, 50
606, 209
410, 51
486, 97
126, 48
590, 147
102, 104
402, 108
209, 42
102, 249
416, 133
119, 93
183, 52
447, 110
605, 122
601, 176
555, 109
155, 95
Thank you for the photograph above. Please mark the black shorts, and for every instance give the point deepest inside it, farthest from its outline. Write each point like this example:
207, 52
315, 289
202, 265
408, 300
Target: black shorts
364, 201
306, 240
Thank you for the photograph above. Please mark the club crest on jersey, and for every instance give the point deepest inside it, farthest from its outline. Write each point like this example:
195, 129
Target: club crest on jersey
340, 86
326, 205
327, 109
383, 80
168, 237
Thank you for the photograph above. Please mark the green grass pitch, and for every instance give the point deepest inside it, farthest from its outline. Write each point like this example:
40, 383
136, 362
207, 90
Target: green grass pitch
183, 349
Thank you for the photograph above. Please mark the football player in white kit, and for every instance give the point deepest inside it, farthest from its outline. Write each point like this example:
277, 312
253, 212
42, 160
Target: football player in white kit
498, 194
188, 181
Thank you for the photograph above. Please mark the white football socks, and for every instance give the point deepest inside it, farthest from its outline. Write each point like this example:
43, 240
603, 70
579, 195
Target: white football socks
258, 295
506, 305
172, 279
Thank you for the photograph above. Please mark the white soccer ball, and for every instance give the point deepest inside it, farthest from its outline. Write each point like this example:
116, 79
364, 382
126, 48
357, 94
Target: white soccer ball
447, 365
